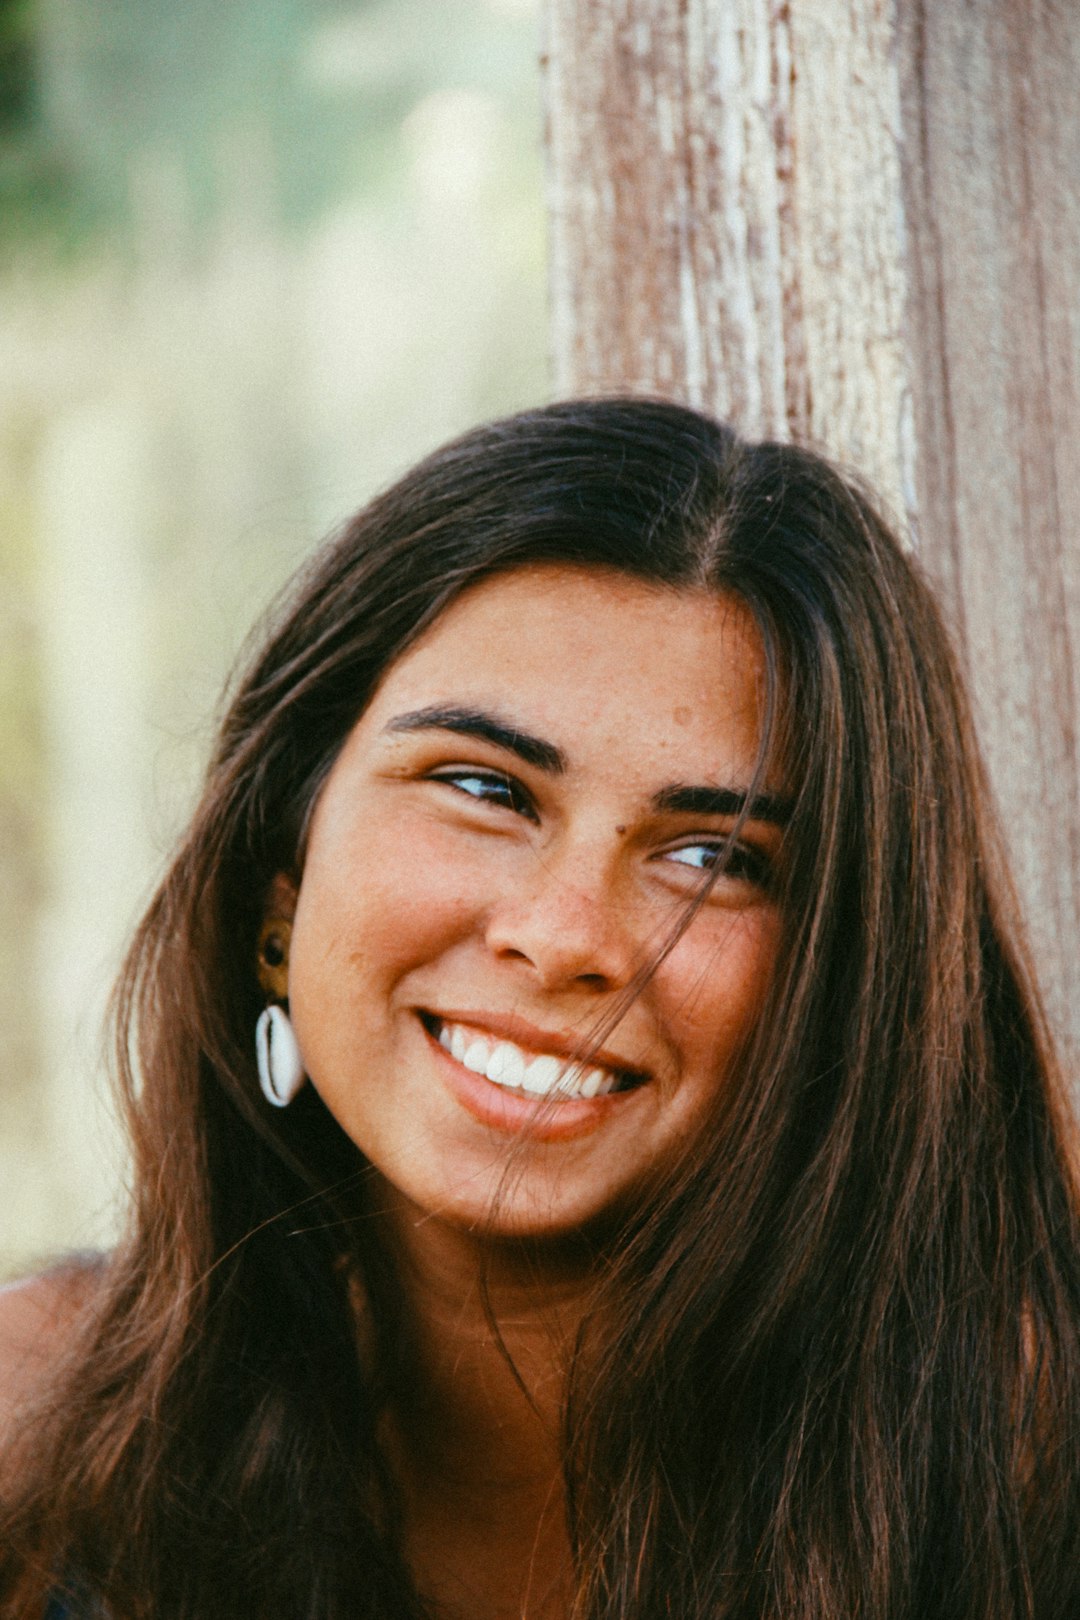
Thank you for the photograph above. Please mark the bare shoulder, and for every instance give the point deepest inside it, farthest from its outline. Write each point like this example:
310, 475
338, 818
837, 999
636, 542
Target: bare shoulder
37, 1320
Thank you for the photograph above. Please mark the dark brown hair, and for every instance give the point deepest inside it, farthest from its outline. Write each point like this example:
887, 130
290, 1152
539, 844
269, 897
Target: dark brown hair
838, 1371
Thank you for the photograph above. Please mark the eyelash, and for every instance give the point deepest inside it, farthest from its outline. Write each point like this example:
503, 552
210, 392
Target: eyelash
498, 788
743, 862
491, 785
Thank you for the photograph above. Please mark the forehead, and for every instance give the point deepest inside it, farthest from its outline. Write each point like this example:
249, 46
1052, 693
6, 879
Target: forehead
592, 658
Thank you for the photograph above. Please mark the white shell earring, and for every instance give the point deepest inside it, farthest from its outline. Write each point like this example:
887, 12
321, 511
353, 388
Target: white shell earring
281, 1068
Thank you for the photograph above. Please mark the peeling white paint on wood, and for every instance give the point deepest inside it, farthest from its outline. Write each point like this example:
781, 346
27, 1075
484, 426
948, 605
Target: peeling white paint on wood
728, 181
857, 222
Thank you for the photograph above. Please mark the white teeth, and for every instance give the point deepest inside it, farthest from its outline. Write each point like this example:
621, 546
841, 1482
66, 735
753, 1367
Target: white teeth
507, 1065
476, 1057
592, 1083
542, 1075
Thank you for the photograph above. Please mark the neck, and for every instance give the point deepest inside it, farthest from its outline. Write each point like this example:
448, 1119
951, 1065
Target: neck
474, 1431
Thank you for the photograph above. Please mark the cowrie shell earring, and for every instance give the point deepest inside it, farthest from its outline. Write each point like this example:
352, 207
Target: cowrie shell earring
281, 1068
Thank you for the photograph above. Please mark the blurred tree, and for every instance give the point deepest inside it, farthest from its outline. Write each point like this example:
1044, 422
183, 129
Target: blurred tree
16, 65
254, 260
30, 174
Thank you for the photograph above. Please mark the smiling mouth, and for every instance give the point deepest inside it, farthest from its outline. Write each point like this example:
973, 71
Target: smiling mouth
527, 1073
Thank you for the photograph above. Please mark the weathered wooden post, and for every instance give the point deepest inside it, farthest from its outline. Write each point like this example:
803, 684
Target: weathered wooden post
858, 222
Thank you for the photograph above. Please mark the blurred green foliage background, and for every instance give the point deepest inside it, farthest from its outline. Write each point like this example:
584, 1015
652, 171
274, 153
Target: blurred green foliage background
254, 260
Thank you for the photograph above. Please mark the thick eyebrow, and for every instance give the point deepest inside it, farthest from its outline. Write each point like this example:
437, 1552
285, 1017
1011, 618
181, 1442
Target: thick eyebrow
723, 801
493, 728
546, 756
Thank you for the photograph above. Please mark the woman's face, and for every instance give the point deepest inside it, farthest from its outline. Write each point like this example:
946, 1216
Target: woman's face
511, 831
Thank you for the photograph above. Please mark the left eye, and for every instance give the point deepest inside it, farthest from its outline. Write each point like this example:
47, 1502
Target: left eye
490, 787
703, 856
741, 861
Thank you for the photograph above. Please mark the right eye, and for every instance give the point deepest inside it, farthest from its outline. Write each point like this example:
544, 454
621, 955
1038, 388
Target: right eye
489, 787
744, 863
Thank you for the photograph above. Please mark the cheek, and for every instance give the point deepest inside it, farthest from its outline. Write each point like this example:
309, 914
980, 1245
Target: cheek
719, 982
379, 903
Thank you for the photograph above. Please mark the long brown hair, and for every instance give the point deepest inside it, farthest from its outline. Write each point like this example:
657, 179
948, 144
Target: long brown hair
834, 1369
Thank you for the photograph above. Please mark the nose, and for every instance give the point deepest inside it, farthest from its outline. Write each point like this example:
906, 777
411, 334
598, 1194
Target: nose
570, 926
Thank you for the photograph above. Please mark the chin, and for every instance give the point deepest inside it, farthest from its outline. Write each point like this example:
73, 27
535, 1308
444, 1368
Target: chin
511, 1210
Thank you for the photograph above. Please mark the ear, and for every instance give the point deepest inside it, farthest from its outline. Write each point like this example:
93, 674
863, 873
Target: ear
272, 960
280, 899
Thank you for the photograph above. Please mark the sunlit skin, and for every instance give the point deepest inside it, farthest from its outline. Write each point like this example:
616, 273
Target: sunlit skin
512, 829
448, 879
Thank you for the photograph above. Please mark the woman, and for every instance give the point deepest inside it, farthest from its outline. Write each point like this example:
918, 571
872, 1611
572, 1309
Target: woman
672, 1212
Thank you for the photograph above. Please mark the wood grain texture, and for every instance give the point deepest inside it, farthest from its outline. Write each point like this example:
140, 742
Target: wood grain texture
717, 172
992, 203
857, 223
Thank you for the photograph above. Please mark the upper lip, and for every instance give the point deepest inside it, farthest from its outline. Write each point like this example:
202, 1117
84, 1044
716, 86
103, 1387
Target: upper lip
560, 1043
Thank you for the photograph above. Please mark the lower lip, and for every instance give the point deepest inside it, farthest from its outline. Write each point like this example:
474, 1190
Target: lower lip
514, 1113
